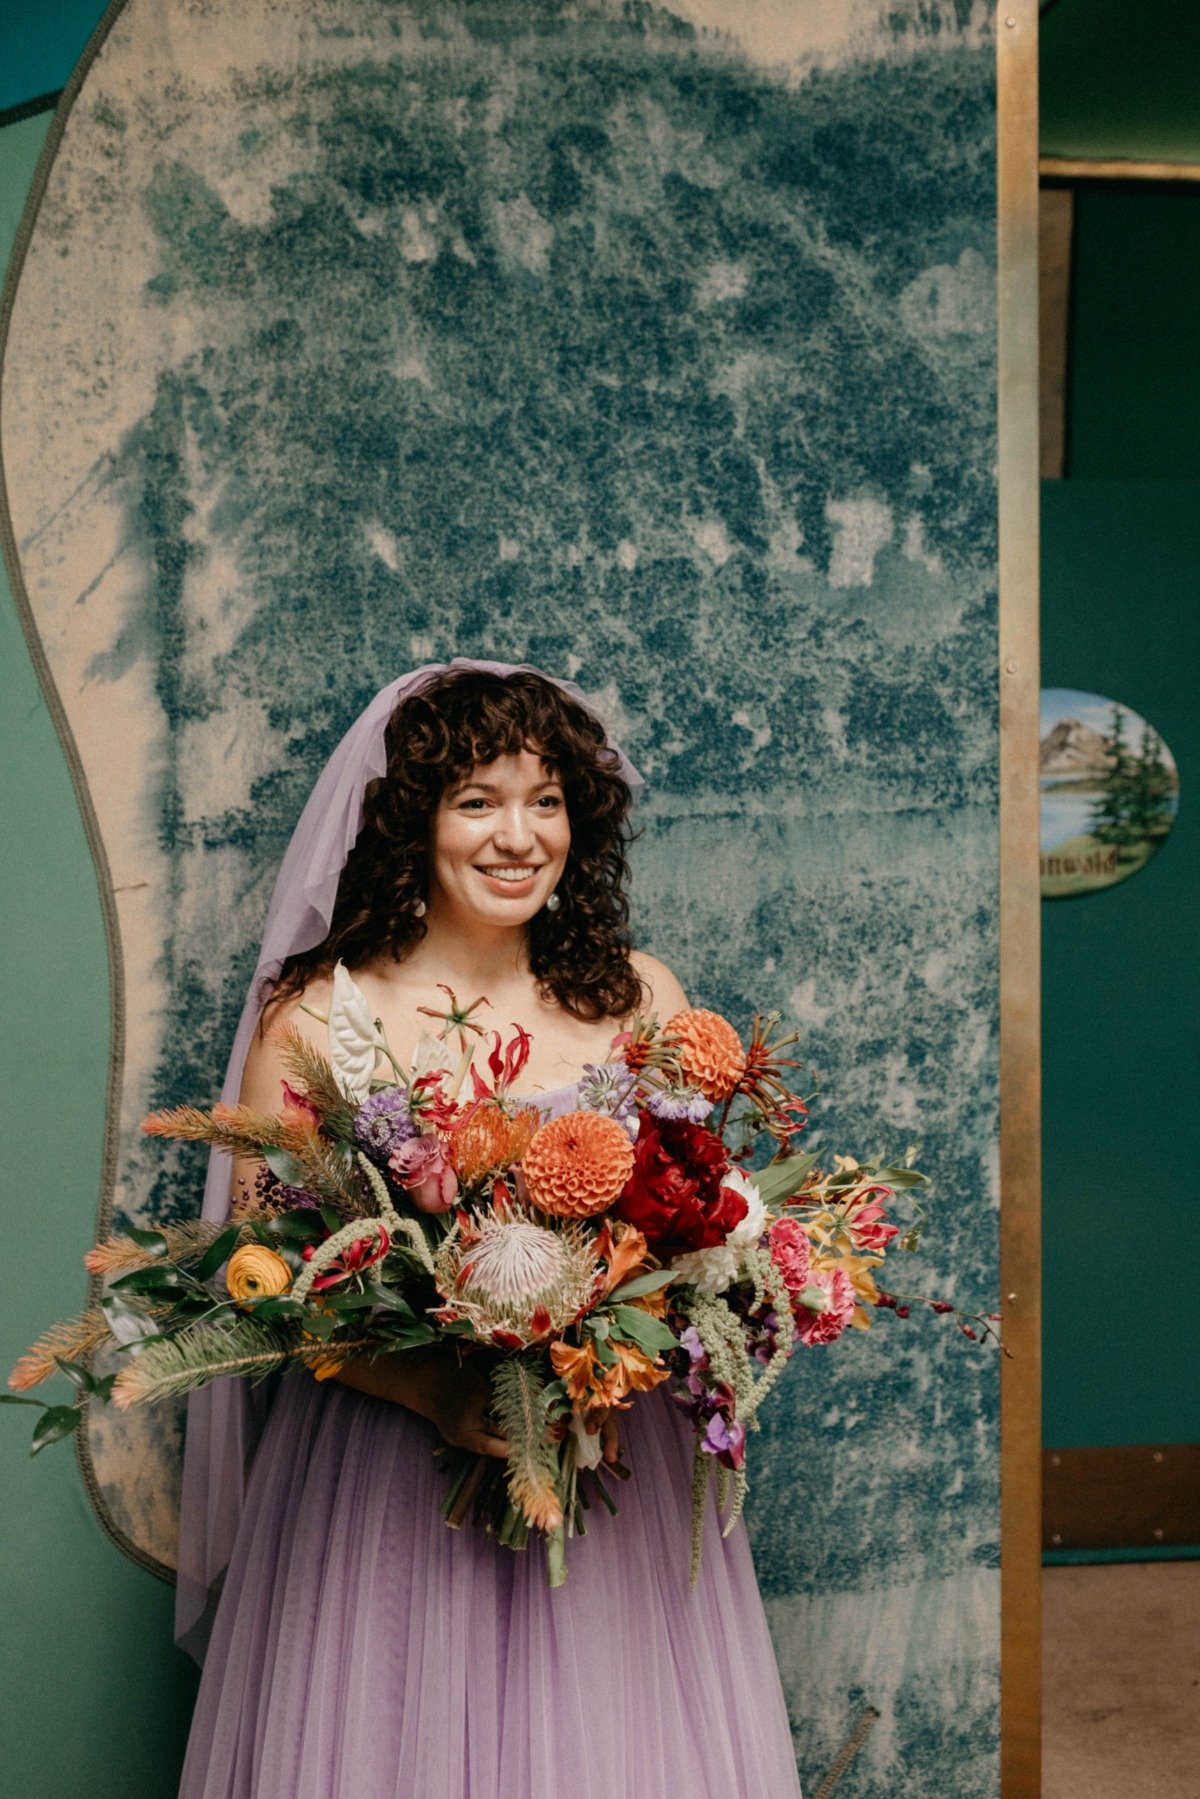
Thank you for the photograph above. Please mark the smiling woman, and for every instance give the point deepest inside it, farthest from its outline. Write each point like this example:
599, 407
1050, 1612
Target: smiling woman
500, 790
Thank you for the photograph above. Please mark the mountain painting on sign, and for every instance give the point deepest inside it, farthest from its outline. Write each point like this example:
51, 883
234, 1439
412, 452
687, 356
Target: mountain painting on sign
1109, 792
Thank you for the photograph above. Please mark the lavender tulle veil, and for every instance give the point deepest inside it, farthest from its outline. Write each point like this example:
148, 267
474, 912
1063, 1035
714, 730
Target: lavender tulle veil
224, 1419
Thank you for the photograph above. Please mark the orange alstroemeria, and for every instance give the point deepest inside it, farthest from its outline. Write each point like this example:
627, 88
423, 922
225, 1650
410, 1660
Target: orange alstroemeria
575, 1367
624, 1256
641, 1372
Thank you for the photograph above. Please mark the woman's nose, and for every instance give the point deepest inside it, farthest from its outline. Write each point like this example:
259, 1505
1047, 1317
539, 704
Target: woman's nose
513, 832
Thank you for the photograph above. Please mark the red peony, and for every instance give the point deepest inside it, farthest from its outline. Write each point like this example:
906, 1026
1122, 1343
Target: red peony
674, 1195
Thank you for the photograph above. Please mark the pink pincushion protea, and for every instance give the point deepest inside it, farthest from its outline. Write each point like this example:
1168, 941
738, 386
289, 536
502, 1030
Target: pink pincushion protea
514, 1279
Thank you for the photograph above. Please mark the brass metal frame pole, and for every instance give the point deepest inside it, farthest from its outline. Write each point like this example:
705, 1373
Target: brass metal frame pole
1020, 901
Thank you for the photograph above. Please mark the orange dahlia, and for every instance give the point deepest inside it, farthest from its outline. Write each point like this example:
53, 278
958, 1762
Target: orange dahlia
490, 1140
709, 1051
577, 1164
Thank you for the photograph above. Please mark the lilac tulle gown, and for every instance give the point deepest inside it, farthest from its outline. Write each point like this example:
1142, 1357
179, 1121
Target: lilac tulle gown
362, 1650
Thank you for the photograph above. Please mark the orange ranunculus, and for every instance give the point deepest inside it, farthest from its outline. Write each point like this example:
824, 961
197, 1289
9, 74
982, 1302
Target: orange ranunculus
256, 1272
577, 1164
709, 1051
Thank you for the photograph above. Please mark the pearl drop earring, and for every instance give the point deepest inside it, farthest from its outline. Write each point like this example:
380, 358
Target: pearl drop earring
553, 903
419, 909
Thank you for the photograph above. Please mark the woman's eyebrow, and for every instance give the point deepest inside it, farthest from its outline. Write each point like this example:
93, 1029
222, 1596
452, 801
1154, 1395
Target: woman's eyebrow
490, 786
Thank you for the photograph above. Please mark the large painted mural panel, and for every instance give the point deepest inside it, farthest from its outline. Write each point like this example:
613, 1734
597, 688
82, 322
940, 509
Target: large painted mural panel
655, 347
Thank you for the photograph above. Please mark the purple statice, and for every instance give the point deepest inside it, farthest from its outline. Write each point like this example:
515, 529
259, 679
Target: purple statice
678, 1103
383, 1122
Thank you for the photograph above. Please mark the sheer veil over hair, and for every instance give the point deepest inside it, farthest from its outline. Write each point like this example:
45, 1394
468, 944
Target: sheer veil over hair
223, 1419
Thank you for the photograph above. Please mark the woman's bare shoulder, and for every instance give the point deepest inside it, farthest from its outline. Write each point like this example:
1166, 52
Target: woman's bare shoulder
664, 994
266, 1068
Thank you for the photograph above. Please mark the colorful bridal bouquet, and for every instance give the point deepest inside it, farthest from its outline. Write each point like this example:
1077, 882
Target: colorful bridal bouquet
666, 1230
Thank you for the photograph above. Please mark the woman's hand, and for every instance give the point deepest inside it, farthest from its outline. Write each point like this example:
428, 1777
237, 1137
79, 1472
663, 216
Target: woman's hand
454, 1395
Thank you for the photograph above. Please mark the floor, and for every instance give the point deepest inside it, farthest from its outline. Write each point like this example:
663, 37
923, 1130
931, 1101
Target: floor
1122, 1681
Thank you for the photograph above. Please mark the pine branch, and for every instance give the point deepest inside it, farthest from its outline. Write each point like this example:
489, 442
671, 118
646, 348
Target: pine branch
532, 1459
171, 1366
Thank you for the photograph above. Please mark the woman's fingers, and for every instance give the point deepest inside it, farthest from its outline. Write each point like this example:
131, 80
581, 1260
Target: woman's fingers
483, 1442
608, 1439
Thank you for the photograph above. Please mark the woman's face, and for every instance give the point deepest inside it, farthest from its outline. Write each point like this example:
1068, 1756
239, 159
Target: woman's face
499, 841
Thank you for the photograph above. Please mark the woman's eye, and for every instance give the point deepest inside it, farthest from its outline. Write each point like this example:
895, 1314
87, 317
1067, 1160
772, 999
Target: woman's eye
550, 800
467, 804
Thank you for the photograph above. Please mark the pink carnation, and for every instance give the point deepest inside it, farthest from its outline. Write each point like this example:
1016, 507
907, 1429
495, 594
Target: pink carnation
824, 1327
790, 1253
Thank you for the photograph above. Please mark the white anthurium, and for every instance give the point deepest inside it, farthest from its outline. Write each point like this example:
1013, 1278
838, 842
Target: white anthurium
429, 1057
713, 1270
589, 1451
353, 1039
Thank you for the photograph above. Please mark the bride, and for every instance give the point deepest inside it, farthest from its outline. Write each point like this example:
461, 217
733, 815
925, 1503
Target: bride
467, 838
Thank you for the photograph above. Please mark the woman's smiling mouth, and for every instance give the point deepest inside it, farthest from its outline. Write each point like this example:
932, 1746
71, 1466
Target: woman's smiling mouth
512, 875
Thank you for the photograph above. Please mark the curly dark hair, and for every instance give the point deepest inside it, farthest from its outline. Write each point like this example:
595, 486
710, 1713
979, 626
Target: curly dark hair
435, 737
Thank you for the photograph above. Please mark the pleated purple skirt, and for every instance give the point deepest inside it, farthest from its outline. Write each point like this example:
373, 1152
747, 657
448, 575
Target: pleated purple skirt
361, 1650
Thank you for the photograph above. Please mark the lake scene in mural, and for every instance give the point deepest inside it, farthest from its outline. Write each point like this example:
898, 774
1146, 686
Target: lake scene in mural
1109, 792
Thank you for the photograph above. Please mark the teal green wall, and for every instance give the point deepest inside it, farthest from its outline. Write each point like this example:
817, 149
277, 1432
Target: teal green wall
1135, 333
1121, 568
40, 43
96, 1698
1120, 79
1120, 571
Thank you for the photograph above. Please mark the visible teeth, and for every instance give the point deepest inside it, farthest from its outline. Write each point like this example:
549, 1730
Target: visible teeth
510, 874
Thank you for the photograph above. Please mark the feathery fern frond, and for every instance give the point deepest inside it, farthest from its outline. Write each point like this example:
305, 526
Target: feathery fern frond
74, 1339
185, 1242
313, 1069
521, 1404
240, 1129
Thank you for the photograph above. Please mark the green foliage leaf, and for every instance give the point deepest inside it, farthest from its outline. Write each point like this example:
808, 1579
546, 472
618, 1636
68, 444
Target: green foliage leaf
320, 1325
279, 1306
650, 1334
286, 1167
79, 1376
57, 1421
333, 1219
781, 1180
150, 1281
125, 1322
643, 1283
294, 1227
218, 1251
23, 1399
153, 1242
389, 1299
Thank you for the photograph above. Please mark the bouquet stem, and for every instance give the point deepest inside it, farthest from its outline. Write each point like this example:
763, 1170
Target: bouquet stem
462, 1495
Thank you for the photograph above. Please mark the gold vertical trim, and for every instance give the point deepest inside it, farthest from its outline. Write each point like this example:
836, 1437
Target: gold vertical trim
1020, 902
